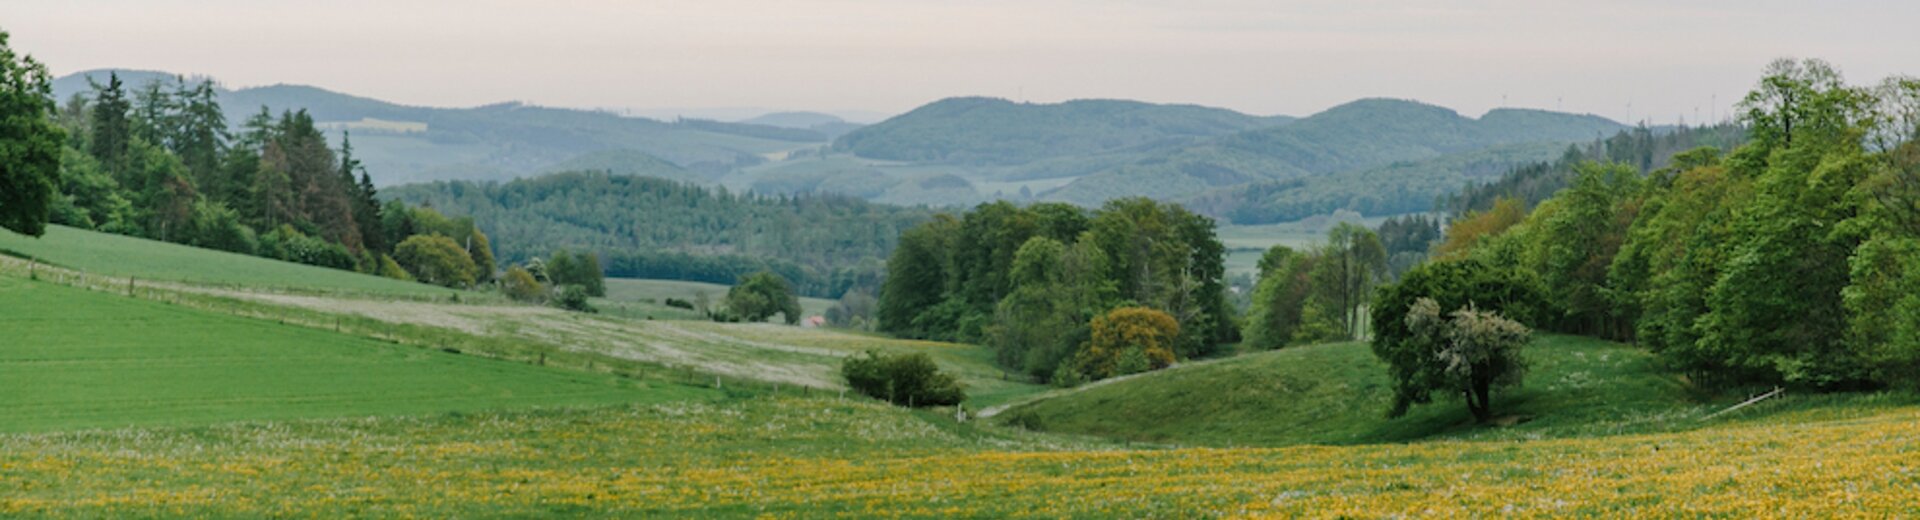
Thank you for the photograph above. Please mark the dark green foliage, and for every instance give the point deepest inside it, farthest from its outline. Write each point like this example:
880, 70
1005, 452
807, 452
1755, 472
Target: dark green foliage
917, 276
902, 379
1028, 280
760, 296
997, 131
582, 269
1407, 240
657, 221
215, 226
287, 243
1472, 351
29, 143
574, 298
1450, 284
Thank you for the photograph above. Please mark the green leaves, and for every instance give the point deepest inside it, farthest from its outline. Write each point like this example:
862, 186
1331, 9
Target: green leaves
29, 143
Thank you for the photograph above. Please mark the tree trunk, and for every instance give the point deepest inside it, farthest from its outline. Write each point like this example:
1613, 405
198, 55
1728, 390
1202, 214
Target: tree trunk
1479, 400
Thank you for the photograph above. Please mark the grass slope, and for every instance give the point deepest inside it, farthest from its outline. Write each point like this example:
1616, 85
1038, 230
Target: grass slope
117, 255
652, 295
817, 458
1339, 394
83, 359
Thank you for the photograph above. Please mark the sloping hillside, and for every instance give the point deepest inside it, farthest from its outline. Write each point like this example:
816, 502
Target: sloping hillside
990, 131
402, 144
1339, 394
1350, 138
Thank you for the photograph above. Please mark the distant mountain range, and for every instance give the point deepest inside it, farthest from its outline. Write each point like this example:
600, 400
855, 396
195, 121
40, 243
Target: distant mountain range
1375, 156
405, 144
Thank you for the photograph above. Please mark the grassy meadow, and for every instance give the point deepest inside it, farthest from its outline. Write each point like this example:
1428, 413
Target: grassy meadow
824, 457
220, 400
647, 298
1339, 394
85, 359
108, 254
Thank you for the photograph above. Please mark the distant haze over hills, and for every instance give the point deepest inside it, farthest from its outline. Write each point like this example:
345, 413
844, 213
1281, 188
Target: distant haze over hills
1375, 156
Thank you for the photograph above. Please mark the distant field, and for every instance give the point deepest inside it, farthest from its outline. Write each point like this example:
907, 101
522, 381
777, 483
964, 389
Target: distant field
79, 359
823, 457
1245, 244
1339, 394
117, 255
633, 290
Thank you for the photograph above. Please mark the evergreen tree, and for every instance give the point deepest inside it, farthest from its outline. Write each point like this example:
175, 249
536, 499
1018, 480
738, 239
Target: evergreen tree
109, 132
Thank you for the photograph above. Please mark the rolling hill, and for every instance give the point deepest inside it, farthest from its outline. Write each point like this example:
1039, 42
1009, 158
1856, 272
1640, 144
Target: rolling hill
1338, 144
1338, 394
990, 131
404, 144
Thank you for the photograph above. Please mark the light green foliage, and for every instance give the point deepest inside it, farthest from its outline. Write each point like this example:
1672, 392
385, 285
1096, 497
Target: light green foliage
1572, 243
140, 363
29, 142
520, 285
1275, 317
435, 259
760, 296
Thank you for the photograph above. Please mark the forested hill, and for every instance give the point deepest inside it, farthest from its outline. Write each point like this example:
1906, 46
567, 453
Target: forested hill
991, 131
402, 144
655, 228
1344, 141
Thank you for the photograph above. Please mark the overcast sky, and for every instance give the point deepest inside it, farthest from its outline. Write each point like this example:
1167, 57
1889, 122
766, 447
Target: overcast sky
1628, 60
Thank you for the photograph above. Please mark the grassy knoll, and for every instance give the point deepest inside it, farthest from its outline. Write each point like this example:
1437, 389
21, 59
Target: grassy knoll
79, 359
649, 297
821, 457
116, 255
1339, 394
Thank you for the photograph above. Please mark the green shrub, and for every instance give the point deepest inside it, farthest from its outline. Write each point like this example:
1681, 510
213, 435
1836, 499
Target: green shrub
902, 379
574, 298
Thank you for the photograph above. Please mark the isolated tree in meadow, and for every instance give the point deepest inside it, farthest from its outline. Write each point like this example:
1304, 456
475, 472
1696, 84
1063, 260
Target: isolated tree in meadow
1413, 353
29, 142
520, 285
435, 259
1473, 351
902, 379
760, 295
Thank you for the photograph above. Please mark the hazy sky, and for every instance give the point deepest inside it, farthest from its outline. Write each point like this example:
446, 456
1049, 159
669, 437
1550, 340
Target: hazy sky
1664, 59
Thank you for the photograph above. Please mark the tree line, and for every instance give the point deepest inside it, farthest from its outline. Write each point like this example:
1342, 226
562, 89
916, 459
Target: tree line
1792, 259
647, 227
159, 161
1061, 293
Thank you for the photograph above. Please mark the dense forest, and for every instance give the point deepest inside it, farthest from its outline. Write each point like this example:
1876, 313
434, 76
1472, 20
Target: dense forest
653, 228
158, 161
1792, 259
1332, 150
988, 131
1062, 293
1640, 147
